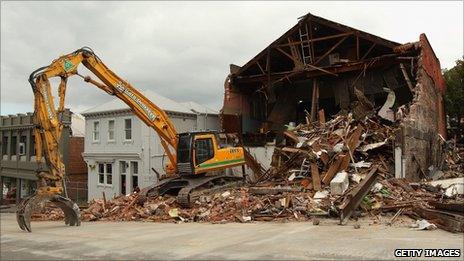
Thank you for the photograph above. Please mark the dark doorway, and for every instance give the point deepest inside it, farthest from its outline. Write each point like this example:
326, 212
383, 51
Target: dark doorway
123, 184
135, 182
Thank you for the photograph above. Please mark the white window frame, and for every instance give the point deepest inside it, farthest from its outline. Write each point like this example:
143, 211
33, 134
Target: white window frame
131, 129
133, 174
93, 131
121, 162
98, 173
105, 174
114, 131
132, 169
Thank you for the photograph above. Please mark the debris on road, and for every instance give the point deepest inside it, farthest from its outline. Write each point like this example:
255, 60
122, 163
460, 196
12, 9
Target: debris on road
423, 225
339, 168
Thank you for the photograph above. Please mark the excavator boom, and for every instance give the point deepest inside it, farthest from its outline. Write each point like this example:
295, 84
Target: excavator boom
200, 152
48, 127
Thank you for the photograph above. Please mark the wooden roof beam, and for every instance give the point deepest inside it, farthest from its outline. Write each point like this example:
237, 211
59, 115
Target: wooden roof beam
331, 50
297, 63
316, 39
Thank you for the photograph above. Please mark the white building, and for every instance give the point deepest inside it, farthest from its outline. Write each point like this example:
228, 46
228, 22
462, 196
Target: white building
122, 152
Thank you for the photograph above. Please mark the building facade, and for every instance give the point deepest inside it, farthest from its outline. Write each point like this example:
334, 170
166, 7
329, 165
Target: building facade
18, 162
122, 153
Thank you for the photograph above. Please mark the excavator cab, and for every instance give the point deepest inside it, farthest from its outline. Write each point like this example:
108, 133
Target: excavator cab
201, 160
201, 152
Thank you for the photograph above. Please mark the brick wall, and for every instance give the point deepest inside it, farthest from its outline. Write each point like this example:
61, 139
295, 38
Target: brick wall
419, 133
76, 168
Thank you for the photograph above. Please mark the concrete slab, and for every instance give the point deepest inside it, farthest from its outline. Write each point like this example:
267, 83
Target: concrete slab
263, 241
339, 183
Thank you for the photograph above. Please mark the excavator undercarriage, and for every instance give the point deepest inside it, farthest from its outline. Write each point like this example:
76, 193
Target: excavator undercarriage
189, 188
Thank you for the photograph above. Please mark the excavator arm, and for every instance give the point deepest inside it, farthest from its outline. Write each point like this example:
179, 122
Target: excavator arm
48, 127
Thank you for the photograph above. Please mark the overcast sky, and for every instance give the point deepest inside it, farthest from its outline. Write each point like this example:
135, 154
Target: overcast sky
183, 50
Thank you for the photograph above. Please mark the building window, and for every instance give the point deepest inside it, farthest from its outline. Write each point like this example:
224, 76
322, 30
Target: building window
96, 131
109, 174
135, 167
32, 147
124, 166
128, 129
105, 173
101, 173
5, 145
111, 130
22, 145
135, 177
13, 145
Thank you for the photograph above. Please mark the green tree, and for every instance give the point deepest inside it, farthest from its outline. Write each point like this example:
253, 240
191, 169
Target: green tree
454, 97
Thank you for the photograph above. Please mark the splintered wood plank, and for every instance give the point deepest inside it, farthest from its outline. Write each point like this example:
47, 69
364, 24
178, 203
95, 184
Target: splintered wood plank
353, 141
292, 136
294, 150
325, 158
315, 176
321, 116
333, 169
345, 162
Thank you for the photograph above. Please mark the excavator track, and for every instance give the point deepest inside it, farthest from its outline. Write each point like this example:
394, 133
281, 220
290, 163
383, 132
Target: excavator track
183, 198
189, 188
209, 185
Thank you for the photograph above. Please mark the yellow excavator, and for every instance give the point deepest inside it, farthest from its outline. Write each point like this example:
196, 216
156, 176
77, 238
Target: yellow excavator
197, 160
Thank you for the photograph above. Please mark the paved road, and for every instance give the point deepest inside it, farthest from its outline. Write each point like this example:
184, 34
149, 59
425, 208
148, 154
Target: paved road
138, 240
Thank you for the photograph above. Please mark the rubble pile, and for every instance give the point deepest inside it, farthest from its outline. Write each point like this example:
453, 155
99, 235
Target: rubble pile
237, 205
454, 159
325, 149
340, 168
389, 197
48, 212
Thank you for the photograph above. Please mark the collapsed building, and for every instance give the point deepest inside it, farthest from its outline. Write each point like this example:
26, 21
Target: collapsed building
320, 68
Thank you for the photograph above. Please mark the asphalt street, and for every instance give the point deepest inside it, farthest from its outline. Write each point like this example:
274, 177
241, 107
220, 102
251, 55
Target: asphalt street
138, 240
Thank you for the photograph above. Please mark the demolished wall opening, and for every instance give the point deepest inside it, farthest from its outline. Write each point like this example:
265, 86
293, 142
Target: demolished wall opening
320, 69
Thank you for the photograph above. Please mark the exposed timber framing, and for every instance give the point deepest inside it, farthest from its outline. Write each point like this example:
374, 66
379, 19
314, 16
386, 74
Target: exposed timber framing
261, 68
316, 39
311, 38
295, 53
313, 71
406, 77
322, 70
268, 67
322, 23
331, 50
314, 100
341, 27
296, 62
368, 51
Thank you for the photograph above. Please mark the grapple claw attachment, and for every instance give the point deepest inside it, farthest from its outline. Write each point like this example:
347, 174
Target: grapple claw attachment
72, 216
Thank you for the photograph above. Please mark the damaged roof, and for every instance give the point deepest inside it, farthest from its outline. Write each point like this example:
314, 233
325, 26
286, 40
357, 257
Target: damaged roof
322, 37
